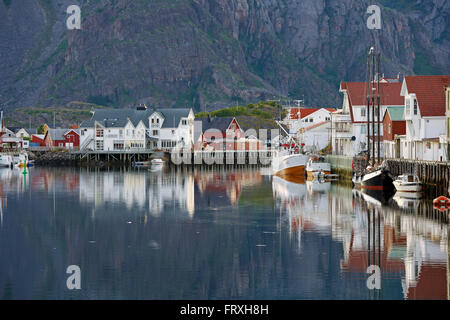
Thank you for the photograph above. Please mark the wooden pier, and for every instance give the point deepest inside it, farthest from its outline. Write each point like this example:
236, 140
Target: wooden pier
127, 158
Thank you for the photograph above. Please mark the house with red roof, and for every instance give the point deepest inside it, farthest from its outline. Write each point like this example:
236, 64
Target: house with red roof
310, 126
425, 115
299, 118
349, 125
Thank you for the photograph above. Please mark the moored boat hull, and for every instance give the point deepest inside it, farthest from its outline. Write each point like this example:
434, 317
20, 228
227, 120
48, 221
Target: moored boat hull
413, 187
289, 166
378, 180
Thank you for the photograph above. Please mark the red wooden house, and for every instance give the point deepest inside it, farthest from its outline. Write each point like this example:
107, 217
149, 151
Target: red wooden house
220, 134
38, 139
394, 125
62, 138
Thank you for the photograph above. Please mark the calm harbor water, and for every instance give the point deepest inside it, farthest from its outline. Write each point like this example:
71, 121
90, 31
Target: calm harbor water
234, 234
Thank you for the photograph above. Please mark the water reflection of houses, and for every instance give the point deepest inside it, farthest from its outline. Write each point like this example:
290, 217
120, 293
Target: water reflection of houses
224, 187
137, 189
411, 245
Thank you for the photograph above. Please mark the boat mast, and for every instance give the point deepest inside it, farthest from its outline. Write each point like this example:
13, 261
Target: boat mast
373, 103
378, 107
368, 107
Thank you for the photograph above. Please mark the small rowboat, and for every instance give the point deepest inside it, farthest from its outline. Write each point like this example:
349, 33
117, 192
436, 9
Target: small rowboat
408, 183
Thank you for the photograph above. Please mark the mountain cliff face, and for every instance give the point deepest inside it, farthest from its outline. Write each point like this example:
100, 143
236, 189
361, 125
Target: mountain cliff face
209, 53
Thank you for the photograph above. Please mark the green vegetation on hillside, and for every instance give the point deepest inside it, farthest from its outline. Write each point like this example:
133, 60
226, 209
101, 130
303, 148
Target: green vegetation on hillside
263, 110
70, 114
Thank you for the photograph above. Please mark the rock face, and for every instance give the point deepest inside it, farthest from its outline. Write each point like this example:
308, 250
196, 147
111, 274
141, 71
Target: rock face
209, 53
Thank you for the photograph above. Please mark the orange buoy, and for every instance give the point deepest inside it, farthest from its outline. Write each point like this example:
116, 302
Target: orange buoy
441, 201
442, 209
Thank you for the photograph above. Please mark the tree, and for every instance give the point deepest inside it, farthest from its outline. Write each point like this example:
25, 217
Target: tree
40, 129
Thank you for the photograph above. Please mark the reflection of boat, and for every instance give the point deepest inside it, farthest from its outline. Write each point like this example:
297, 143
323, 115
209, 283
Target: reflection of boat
317, 165
409, 195
290, 165
6, 161
318, 186
406, 203
408, 183
287, 190
376, 197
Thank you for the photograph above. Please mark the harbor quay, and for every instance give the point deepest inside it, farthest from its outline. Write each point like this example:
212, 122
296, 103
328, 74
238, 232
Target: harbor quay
172, 158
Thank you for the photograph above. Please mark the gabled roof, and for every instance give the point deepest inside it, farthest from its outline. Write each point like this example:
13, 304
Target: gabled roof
14, 129
31, 130
57, 134
172, 117
389, 91
430, 93
304, 112
215, 123
396, 113
118, 118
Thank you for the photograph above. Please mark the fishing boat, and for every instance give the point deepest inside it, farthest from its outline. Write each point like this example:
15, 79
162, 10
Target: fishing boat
6, 160
157, 162
408, 183
373, 175
290, 163
21, 160
317, 166
156, 165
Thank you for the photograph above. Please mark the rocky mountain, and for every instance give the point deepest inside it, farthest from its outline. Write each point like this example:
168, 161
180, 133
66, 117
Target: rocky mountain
209, 53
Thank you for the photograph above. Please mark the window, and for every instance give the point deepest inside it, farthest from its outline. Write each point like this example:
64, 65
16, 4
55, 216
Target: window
363, 112
118, 145
173, 131
183, 122
155, 132
389, 129
311, 120
363, 129
99, 145
415, 106
153, 120
157, 120
408, 105
99, 133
